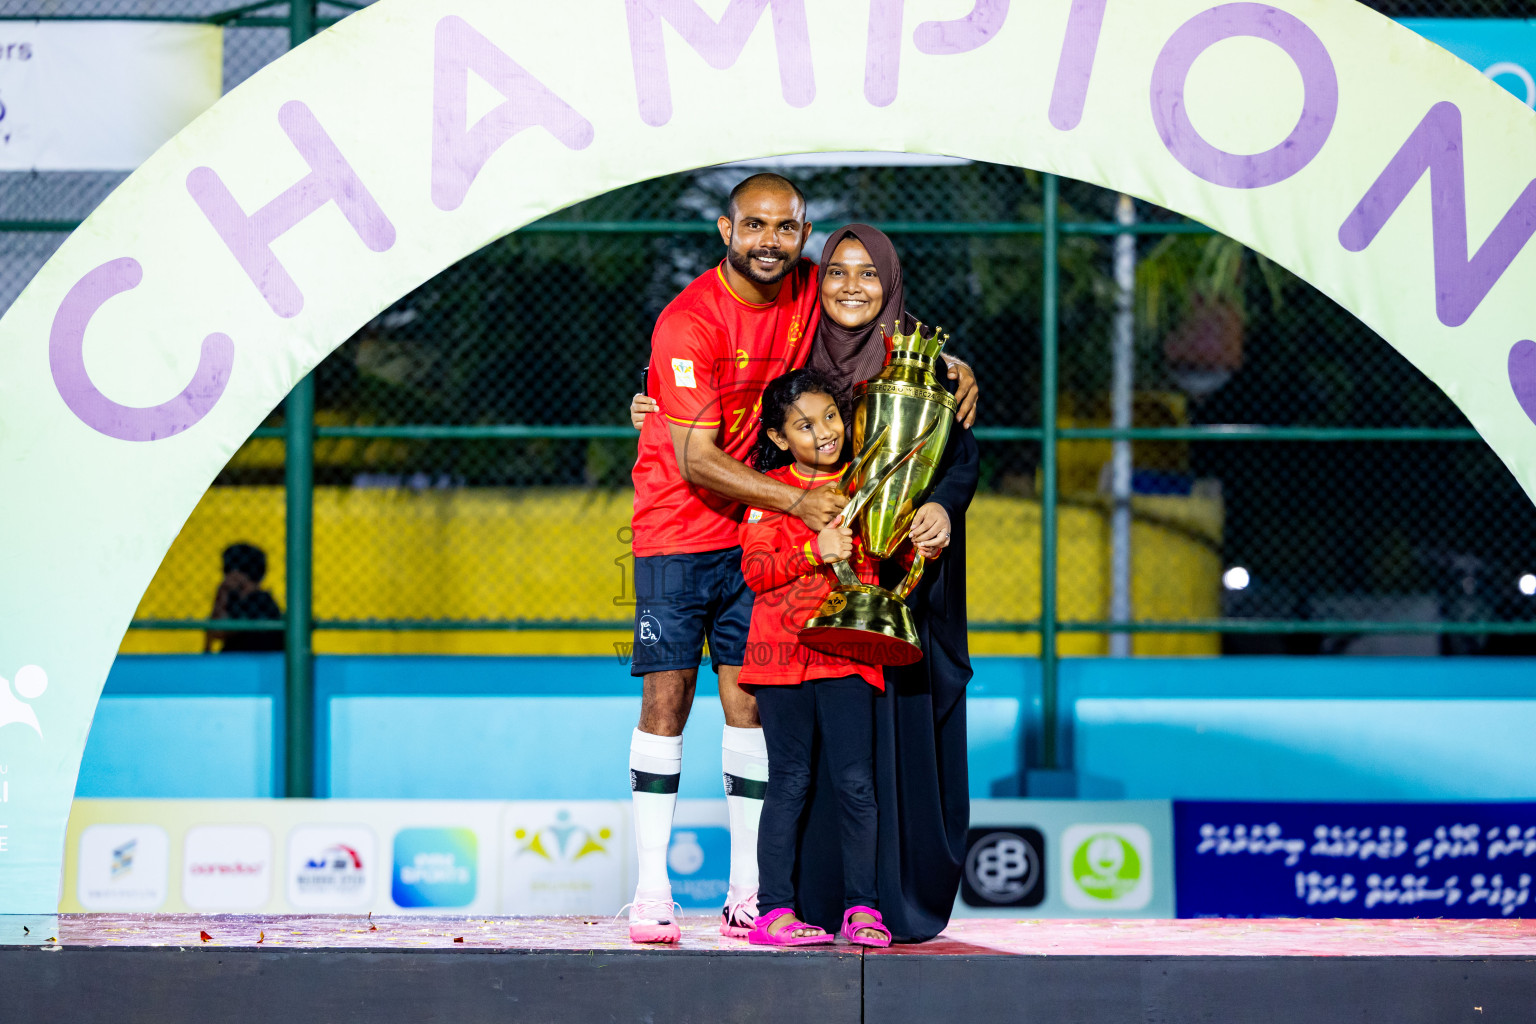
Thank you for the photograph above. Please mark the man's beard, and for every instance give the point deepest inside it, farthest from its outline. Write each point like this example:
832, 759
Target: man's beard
744, 264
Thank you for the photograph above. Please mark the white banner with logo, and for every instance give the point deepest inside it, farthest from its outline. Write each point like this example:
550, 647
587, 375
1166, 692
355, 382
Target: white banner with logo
1068, 858
283, 856
1025, 858
101, 95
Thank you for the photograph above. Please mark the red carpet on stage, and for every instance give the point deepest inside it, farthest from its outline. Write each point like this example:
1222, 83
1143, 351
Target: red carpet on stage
970, 937
124, 969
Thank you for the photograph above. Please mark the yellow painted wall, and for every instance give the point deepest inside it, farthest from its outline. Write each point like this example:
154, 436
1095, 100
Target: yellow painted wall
563, 554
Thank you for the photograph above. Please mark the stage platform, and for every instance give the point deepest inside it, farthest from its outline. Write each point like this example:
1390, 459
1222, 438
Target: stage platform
126, 969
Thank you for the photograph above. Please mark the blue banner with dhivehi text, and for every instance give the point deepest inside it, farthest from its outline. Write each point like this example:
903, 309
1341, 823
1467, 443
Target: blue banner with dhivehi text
1469, 860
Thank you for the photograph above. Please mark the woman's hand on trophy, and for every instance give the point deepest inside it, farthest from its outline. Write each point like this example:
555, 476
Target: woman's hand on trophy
930, 530
966, 391
640, 407
835, 543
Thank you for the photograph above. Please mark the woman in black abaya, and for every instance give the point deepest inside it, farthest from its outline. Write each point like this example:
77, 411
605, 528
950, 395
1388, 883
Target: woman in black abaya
921, 783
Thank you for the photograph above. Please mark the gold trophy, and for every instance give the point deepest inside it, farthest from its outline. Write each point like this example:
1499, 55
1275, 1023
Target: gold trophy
901, 423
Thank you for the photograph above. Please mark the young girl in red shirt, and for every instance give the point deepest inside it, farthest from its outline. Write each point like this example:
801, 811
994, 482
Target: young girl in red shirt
804, 696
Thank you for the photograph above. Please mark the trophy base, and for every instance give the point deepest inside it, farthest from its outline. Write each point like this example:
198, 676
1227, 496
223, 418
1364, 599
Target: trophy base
866, 623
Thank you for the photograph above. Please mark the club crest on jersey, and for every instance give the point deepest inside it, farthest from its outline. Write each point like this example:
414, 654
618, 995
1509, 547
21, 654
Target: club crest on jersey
755, 515
682, 373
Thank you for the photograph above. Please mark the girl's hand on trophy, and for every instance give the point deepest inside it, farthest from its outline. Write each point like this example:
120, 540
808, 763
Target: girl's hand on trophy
966, 391
835, 543
818, 507
640, 407
930, 529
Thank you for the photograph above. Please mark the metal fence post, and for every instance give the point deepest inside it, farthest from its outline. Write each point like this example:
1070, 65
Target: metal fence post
1122, 404
1048, 385
299, 488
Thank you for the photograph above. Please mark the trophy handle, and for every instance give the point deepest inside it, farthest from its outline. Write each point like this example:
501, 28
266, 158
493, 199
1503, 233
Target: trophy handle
909, 581
845, 574
865, 454
866, 492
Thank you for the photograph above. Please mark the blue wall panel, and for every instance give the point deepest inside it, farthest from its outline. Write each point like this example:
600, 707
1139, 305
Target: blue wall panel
1305, 728
186, 726
535, 728
510, 728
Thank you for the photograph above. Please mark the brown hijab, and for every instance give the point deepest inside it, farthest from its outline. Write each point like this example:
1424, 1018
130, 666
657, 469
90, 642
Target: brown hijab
851, 356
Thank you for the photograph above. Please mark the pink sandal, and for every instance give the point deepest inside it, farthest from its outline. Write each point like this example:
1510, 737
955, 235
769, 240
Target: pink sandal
761, 936
851, 928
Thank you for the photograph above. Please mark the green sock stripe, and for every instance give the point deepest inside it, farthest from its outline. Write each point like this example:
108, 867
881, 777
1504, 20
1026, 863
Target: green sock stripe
650, 782
752, 789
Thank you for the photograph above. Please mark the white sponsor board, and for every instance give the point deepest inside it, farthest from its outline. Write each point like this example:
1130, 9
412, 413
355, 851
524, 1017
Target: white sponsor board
332, 867
1068, 858
123, 867
1024, 858
227, 867
1106, 866
291, 856
101, 95
564, 858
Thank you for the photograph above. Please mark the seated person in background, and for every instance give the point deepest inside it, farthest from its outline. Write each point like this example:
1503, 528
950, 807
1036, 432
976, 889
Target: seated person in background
240, 597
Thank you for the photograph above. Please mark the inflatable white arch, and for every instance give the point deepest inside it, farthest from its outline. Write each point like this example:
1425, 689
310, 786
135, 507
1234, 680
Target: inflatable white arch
1375, 165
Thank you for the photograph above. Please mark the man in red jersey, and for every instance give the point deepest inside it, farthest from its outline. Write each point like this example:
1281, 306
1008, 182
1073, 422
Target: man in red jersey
714, 349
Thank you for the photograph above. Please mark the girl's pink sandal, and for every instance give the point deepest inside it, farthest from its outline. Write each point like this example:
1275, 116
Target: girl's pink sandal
851, 928
761, 936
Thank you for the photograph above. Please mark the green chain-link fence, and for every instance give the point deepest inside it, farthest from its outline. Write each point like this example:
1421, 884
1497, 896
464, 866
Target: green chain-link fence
1296, 485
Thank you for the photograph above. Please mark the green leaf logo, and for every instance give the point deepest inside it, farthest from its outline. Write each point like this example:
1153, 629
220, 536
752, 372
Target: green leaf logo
1106, 866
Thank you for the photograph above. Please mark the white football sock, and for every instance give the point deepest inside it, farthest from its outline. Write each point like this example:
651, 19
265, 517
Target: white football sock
655, 764
745, 758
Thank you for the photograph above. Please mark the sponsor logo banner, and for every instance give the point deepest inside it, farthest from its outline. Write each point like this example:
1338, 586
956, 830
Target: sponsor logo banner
699, 864
1068, 858
435, 867
540, 857
1355, 859
563, 858
331, 867
1106, 867
1004, 868
123, 867
227, 867
698, 856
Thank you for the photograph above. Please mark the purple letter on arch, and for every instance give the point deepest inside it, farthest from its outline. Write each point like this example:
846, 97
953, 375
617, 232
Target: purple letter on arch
1522, 376
330, 179
882, 57
719, 43
458, 155
1319, 107
1434, 147
66, 358
1076, 65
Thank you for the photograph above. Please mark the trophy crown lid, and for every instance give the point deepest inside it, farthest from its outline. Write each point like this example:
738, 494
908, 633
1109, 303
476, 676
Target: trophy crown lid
927, 347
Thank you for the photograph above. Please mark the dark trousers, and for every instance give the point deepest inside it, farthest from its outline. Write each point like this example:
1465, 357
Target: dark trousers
838, 716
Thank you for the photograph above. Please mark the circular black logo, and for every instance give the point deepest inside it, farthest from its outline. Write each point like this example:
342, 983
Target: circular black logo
1004, 868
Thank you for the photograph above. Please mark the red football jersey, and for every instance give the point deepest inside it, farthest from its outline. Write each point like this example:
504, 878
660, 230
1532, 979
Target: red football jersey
780, 560
712, 354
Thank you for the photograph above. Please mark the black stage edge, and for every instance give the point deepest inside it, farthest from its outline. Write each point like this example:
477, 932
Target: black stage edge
1199, 990
384, 986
